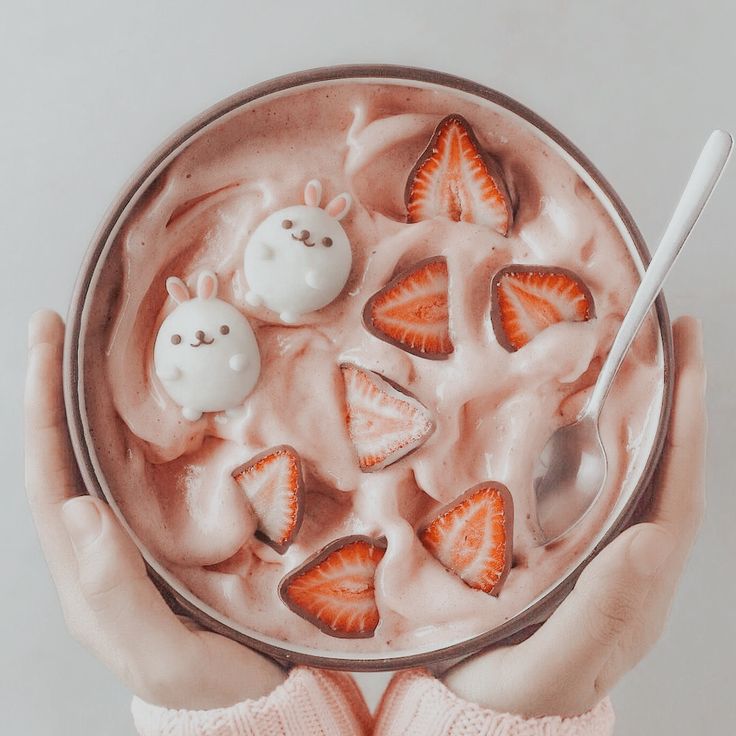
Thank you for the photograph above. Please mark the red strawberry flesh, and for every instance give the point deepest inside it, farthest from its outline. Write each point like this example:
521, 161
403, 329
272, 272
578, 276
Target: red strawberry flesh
272, 482
383, 423
411, 311
528, 299
473, 536
457, 179
335, 589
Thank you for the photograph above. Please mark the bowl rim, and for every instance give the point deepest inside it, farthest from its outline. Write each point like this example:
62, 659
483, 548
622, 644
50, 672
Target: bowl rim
525, 622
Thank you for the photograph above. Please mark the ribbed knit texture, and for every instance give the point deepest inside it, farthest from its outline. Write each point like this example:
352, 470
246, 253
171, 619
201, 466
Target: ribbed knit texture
417, 704
320, 703
309, 702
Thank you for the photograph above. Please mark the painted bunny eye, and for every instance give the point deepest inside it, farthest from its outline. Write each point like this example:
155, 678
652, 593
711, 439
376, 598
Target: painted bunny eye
175, 339
224, 330
287, 224
327, 242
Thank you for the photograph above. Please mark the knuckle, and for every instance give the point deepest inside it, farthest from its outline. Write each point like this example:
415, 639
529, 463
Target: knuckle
97, 592
650, 639
609, 615
697, 513
653, 628
101, 594
601, 687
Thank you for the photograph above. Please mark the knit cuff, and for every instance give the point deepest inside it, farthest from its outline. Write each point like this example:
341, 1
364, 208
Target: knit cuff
309, 702
417, 704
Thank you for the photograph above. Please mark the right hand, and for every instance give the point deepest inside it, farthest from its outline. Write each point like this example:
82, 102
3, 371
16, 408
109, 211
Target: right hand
619, 605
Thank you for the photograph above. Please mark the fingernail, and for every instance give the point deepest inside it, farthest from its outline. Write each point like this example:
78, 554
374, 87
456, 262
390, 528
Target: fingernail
649, 550
82, 521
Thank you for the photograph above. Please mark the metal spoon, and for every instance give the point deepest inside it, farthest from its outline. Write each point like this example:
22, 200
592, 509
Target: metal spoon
571, 471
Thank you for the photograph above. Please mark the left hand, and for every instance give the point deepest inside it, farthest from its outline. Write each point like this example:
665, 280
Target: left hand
108, 600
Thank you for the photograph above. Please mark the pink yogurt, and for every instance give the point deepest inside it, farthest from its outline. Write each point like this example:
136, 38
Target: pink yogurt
494, 410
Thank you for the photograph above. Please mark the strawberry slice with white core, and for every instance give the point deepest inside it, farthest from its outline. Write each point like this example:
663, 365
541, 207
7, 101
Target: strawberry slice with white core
528, 299
457, 179
411, 311
335, 589
473, 536
383, 423
272, 482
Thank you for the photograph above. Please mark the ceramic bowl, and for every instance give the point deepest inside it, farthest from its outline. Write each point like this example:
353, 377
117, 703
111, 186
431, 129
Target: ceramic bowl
96, 288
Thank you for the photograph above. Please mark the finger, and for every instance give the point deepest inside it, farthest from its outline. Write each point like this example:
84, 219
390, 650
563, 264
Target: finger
608, 598
122, 616
50, 469
679, 490
679, 493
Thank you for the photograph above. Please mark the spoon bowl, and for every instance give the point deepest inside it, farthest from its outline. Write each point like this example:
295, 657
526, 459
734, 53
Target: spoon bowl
569, 475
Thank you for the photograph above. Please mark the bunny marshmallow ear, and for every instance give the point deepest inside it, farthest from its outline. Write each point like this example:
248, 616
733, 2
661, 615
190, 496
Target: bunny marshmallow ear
177, 289
339, 206
207, 285
313, 193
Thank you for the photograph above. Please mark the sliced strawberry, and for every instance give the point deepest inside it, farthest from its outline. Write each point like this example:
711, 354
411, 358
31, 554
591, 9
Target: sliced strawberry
411, 310
272, 482
335, 589
472, 537
528, 299
457, 179
384, 424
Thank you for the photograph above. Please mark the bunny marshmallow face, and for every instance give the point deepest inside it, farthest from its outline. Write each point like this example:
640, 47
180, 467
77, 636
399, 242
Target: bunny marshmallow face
206, 354
299, 258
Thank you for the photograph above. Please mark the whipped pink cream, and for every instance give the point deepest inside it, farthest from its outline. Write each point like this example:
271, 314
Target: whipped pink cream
493, 410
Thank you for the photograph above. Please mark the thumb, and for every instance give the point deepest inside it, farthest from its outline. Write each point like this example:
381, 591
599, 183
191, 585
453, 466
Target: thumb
608, 598
128, 624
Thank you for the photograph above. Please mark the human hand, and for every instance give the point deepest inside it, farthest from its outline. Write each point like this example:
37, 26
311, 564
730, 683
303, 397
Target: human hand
619, 606
109, 603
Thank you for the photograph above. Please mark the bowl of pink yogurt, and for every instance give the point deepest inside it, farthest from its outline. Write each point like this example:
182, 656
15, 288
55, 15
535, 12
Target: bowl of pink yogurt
319, 341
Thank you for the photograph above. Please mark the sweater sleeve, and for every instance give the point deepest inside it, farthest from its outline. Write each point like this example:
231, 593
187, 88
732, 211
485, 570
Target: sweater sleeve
417, 704
309, 702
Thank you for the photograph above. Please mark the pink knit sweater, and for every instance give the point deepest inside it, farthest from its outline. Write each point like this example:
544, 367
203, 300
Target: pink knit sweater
417, 704
316, 702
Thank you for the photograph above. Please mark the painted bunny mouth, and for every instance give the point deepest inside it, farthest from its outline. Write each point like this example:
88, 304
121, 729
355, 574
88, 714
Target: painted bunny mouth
304, 240
202, 342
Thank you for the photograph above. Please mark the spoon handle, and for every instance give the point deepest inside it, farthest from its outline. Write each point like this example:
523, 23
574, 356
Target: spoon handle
698, 189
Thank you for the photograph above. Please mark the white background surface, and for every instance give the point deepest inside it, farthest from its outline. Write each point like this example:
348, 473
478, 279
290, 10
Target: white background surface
89, 88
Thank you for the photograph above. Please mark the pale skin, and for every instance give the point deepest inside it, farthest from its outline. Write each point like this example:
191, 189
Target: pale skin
619, 606
607, 624
109, 603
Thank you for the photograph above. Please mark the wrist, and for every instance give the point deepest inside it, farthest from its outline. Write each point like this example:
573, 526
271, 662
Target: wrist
417, 704
317, 701
528, 699
193, 687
